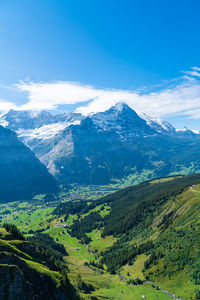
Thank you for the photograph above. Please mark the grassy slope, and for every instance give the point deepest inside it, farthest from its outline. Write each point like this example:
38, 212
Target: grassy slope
187, 208
187, 212
9, 247
106, 286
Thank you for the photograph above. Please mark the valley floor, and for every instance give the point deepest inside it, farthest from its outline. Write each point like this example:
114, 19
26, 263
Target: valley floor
36, 216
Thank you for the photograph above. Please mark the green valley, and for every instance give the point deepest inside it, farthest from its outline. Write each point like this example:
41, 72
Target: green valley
140, 241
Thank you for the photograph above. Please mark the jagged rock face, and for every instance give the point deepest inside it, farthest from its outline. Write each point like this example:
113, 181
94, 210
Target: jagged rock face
21, 174
105, 146
19, 282
122, 120
159, 125
13, 284
29, 270
16, 120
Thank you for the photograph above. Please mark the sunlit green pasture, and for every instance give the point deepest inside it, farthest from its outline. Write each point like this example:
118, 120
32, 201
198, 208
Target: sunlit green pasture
38, 216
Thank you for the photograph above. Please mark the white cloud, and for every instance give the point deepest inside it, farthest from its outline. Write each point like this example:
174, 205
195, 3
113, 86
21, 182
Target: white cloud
6, 105
182, 97
51, 95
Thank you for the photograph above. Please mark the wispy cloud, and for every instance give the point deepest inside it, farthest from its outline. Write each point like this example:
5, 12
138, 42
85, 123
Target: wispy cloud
181, 97
194, 72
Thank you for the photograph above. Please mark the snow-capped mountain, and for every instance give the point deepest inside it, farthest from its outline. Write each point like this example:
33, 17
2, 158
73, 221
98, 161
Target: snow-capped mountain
123, 120
106, 145
17, 120
158, 124
32, 128
166, 128
181, 132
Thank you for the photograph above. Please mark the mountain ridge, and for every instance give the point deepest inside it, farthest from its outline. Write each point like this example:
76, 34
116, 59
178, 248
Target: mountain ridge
16, 119
105, 146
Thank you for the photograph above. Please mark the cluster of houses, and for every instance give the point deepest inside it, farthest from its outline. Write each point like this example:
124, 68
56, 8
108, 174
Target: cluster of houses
61, 225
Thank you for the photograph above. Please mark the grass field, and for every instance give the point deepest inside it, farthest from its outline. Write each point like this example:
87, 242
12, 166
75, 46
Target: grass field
38, 216
135, 270
34, 216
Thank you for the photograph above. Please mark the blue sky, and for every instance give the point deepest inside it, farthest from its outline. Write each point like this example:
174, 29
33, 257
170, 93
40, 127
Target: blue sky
88, 55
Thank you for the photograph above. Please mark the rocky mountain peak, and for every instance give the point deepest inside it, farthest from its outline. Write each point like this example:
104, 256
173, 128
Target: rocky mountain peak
121, 108
121, 119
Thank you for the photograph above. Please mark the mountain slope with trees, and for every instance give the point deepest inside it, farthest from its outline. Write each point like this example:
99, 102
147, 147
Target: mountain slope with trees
22, 175
156, 221
32, 269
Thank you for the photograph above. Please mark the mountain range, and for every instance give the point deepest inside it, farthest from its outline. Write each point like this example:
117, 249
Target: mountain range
100, 148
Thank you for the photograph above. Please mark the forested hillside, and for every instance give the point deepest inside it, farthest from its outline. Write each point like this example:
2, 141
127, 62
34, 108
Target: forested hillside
22, 175
32, 269
156, 221
134, 205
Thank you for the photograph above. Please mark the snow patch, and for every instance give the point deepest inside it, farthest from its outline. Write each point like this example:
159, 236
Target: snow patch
184, 129
44, 132
151, 121
4, 123
195, 131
